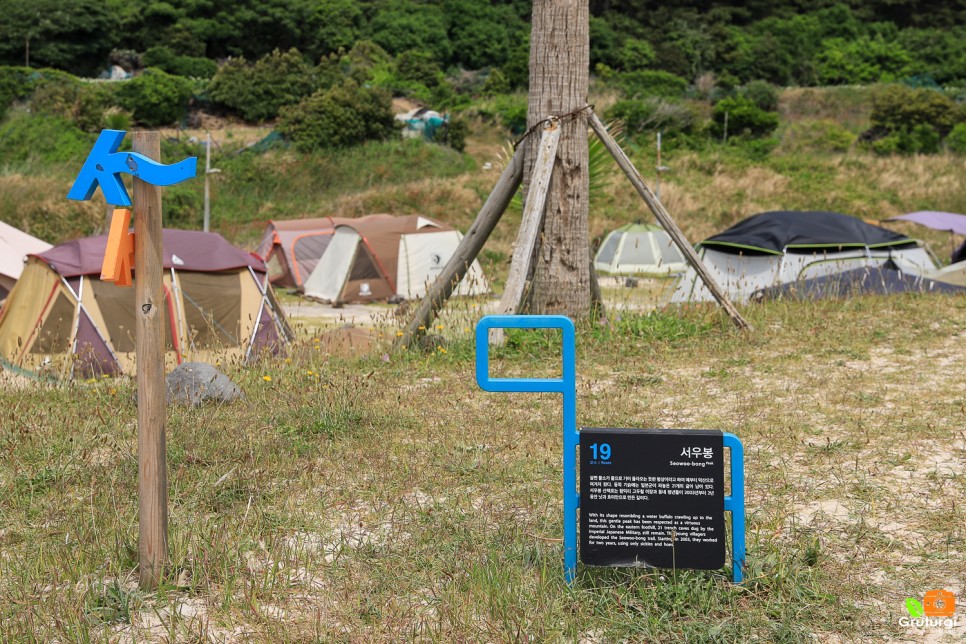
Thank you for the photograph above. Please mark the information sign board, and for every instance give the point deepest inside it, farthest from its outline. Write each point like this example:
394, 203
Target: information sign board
652, 498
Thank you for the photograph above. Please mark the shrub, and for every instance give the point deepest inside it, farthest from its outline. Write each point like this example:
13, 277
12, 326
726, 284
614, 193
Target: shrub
823, 135
862, 60
257, 92
635, 55
919, 139
744, 118
454, 133
49, 139
956, 139
495, 83
899, 108
155, 97
189, 66
655, 115
15, 84
762, 93
651, 83
342, 116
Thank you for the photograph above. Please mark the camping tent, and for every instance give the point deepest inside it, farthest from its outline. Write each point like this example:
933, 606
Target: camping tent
639, 249
291, 248
885, 279
947, 221
380, 256
952, 274
786, 246
15, 245
61, 318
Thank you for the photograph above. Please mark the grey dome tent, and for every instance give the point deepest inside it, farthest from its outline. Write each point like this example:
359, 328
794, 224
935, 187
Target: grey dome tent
886, 279
781, 247
639, 249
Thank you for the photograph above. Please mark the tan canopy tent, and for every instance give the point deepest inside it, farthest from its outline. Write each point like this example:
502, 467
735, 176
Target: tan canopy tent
61, 319
382, 256
15, 245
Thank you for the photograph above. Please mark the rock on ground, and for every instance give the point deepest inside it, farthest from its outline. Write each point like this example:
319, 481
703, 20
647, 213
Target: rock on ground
192, 383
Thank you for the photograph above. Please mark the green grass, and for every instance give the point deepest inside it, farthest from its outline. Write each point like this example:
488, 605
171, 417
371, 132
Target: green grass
386, 500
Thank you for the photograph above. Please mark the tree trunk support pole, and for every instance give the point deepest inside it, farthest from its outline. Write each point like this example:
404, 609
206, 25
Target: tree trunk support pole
666, 221
149, 346
467, 250
530, 225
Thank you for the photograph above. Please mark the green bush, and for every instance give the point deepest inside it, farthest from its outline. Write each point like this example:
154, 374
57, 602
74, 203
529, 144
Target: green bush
15, 85
956, 139
653, 114
762, 93
155, 97
919, 139
635, 55
744, 118
189, 66
900, 108
258, 92
47, 139
637, 84
495, 83
861, 60
509, 110
342, 116
822, 135
454, 133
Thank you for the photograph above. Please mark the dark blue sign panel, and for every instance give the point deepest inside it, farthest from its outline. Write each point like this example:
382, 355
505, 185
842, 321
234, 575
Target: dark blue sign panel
652, 498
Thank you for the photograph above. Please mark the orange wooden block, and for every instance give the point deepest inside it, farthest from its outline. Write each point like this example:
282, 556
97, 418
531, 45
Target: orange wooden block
119, 254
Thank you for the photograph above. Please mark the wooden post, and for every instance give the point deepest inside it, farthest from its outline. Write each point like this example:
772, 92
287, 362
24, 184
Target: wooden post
149, 346
516, 281
469, 247
665, 220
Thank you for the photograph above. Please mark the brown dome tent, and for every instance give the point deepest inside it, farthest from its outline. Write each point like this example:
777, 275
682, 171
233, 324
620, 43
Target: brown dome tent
60, 318
377, 257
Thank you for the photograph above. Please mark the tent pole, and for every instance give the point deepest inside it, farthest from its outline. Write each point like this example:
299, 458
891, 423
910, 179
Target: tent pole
665, 220
465, 254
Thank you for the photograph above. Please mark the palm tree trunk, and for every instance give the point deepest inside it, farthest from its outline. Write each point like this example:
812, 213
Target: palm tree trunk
559, 66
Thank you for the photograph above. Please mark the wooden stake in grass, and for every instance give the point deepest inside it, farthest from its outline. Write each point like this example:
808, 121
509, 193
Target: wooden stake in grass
152, 459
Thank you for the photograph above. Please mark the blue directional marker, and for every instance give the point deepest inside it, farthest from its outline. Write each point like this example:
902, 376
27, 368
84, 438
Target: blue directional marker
105, 164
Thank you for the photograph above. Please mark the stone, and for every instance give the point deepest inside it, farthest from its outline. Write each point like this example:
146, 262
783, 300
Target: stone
193, 383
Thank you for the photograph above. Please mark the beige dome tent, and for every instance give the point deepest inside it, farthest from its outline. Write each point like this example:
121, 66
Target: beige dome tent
61, 319
380, 256
15, 245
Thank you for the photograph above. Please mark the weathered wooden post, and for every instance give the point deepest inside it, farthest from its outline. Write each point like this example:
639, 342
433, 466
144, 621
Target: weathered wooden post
103, 167
149, 347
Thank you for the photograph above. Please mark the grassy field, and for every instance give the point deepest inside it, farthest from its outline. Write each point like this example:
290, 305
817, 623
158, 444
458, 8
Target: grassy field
371, 495
387, 498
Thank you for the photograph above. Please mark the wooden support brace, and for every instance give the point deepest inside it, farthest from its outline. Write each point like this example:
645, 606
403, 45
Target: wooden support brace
467, 250
665, 220
531, 222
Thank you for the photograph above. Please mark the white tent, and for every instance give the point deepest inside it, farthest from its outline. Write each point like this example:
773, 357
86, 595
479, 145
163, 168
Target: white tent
15, 245
639, 249
380, 256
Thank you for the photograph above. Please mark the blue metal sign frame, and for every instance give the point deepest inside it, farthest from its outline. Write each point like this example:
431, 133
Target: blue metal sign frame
105, 164
567, 385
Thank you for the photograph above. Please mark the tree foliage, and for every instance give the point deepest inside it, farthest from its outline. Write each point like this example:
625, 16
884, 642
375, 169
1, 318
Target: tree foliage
338, 117
258, 91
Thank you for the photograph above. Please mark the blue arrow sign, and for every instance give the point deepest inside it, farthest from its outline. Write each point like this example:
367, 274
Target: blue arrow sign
105, 164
